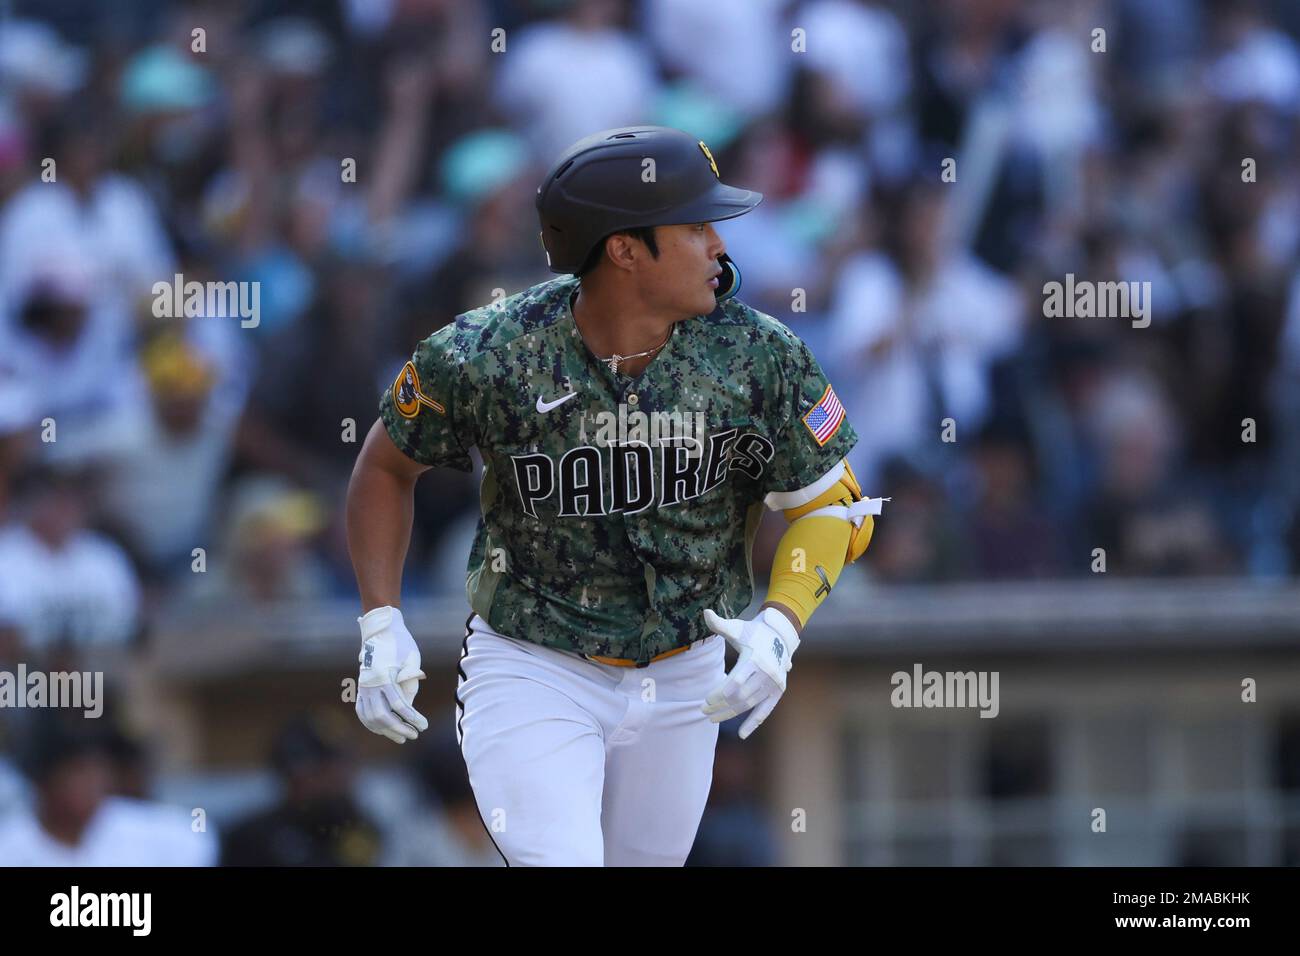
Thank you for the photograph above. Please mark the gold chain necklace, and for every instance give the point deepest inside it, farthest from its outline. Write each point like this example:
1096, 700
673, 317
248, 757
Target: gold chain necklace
615, 360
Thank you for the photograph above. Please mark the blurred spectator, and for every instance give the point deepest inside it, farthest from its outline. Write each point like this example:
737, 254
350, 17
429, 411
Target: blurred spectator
1149, 519
488, 177
1254, 61
58, 579
860, 49
735, 49
1010, 536
778, 242
266, 554
102, 231
920, 542
37, 67
63, 363
76, 821
166, 452
317, 822
918, 329
1156, 44
608, 80
299, 408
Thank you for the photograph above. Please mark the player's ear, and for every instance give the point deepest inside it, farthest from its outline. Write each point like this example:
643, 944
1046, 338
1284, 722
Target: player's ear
619, 250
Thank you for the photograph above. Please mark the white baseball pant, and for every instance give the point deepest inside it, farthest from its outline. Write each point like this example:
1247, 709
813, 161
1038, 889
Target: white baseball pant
577, 763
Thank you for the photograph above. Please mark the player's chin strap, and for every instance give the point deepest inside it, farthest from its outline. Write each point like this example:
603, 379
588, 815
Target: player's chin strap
729, 281
855, 512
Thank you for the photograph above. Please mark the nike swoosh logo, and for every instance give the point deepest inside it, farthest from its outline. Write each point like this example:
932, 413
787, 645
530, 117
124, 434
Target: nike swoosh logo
545, 407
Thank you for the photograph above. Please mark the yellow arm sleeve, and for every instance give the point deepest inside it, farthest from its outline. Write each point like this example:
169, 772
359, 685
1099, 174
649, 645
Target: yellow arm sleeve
814, 550
807, 564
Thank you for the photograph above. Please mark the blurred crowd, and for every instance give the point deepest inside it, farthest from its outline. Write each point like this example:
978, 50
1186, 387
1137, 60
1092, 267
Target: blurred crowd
372, 164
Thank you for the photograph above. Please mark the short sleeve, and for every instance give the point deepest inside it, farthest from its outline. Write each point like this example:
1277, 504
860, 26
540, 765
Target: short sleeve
426, 409
812, 433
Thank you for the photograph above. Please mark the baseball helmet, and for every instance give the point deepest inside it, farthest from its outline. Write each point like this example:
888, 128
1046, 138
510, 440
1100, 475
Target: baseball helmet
599, 186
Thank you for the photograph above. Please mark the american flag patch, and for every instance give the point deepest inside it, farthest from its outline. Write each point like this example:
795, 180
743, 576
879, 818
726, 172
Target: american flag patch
825, 418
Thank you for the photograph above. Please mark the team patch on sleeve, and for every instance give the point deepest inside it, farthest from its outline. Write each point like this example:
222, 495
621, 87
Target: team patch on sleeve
407, 397
825, 418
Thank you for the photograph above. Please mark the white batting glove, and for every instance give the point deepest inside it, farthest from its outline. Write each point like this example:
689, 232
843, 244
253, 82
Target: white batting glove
765, 645
390, 676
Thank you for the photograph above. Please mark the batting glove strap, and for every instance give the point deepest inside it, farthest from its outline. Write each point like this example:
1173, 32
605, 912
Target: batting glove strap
388, 652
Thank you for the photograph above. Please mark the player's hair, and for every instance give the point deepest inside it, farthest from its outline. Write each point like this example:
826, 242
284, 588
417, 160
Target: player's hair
645, 233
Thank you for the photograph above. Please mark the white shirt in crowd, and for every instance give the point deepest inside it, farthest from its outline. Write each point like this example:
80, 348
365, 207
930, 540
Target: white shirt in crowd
111, 248
942, 341
123, 832
87, 591
162, 487
115, 234
864, 50
735, 50
608, 81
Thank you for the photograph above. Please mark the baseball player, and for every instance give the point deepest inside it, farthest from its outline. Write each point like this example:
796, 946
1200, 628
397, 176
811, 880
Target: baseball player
634, 419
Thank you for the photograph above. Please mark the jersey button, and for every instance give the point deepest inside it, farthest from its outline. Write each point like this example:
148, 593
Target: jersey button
632, 398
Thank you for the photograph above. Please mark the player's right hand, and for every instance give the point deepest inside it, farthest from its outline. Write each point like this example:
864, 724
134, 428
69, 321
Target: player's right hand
390, 676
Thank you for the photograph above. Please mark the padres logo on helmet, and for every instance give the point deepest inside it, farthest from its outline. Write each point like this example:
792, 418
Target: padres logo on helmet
713, 163
407, 397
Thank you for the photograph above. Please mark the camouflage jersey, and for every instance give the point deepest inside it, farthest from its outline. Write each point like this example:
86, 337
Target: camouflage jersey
614, 510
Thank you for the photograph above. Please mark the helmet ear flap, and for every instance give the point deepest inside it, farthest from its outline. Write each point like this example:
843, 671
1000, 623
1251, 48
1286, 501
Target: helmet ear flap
729, 281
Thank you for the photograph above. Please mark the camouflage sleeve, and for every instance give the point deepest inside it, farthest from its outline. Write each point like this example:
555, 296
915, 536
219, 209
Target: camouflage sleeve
812, 432
426, 409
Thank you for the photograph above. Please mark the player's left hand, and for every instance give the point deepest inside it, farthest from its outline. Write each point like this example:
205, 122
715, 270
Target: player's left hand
765, 645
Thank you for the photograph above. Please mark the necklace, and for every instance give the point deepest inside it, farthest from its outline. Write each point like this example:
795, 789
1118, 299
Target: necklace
615, 360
